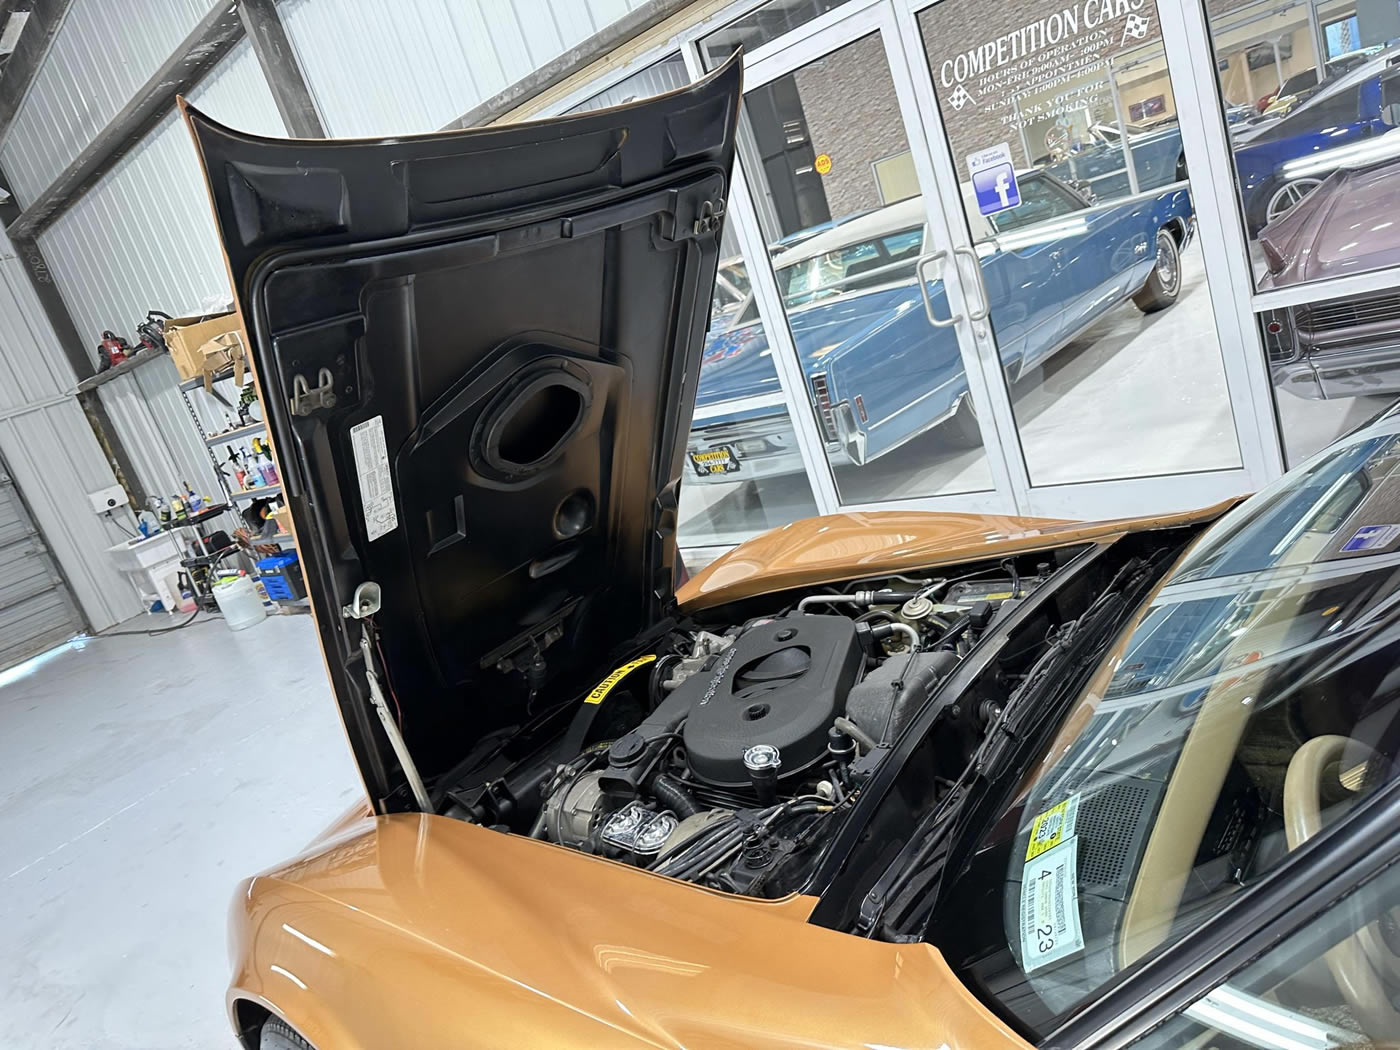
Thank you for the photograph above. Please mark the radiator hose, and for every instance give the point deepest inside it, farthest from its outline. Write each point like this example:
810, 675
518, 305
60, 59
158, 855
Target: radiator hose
672, 794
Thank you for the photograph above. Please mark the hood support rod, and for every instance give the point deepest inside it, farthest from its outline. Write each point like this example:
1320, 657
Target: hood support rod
364, 605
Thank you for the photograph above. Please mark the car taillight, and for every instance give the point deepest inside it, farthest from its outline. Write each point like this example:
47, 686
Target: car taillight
860, 408
821, 393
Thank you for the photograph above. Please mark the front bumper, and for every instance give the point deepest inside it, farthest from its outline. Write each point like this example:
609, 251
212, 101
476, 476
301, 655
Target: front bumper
1374, 371
764, 448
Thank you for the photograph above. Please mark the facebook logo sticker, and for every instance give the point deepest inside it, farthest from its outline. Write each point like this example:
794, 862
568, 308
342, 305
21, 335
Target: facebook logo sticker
996, 189
994, 179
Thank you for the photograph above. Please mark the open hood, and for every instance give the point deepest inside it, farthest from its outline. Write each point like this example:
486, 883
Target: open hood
478, 353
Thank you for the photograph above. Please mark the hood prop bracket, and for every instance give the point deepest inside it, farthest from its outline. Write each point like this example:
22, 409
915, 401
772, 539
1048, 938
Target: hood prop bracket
364, 605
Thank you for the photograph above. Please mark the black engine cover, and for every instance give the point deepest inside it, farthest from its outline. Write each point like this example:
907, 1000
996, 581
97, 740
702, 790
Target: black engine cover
780, 683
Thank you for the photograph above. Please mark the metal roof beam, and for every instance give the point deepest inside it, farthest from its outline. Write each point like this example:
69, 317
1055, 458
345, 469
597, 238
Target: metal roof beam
45, 16
210, 41
268, 36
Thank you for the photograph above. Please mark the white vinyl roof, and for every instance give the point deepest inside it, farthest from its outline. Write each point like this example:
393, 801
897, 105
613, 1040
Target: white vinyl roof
882, 222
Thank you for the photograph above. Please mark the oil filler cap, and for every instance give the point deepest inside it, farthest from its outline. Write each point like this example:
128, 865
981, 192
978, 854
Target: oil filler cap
627, 749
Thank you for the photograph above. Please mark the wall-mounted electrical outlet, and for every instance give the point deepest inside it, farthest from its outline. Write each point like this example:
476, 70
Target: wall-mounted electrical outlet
108, 499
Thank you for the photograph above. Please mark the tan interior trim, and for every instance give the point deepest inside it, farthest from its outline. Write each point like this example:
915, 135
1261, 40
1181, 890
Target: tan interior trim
1190, 798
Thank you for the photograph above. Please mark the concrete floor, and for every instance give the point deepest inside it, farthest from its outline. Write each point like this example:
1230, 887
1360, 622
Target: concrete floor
140, 779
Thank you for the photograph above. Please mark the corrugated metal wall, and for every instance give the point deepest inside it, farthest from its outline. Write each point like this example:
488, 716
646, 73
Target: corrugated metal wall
143, 238
414, 65
49, 447
658, 78
100, 55
36, 609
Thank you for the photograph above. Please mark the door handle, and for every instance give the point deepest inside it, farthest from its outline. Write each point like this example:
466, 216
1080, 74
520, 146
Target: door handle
986, 309
924, 260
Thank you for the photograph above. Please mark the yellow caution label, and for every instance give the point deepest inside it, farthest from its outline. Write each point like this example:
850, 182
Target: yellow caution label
1052, 827
603, 688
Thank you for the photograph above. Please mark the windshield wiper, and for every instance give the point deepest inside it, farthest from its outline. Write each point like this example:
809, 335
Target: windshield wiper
1055, 678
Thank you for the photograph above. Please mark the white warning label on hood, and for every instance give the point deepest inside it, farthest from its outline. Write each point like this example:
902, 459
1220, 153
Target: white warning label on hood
376, 485
1050, 927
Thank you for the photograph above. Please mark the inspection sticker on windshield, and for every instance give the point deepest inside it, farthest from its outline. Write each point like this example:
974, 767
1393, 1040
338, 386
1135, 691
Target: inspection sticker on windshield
1050, 927
376, 486
1372, 537
1052, 827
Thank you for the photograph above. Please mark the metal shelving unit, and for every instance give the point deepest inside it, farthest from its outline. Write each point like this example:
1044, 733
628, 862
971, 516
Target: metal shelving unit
211, 441
133, 361
198, 381
234, 435
261, 492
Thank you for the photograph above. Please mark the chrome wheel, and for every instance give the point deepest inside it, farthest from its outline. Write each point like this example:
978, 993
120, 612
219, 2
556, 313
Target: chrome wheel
1289, 194
1168, 263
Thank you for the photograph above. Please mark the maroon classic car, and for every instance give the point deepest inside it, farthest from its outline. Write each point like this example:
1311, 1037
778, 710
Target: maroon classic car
1350, 223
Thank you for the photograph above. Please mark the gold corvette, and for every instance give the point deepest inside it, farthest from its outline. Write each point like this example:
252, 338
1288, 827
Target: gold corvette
872, 780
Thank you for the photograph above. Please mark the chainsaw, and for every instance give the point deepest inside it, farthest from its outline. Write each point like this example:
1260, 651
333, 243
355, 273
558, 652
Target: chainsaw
151, 331
111, 351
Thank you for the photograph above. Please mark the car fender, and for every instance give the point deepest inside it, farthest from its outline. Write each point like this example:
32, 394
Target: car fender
818, 551
1173, 210
273, 975
1174, 205
870, 365
431, 932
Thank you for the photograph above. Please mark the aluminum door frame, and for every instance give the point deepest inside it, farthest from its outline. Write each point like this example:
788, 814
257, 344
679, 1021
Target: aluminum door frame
1190, 62
815, 39
1260, 457
1221, 199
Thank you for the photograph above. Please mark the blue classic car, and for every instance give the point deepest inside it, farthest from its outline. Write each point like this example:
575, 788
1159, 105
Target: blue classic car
1280, 163
878, 372
1099, 163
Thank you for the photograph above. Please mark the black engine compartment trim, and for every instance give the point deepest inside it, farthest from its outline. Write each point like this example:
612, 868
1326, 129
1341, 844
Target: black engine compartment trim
826, 878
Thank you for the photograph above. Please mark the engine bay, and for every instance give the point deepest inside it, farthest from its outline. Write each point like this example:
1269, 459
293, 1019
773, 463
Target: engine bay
728, 752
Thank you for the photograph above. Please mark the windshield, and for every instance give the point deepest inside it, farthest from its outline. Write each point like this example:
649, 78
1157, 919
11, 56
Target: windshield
1248, 702
732, 302
863, 264
1112, 134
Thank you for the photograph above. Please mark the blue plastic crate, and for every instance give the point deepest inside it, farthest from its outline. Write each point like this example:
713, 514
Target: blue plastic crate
281, 577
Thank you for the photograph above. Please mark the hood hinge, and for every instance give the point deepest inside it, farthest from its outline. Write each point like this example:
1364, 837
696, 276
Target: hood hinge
695, 211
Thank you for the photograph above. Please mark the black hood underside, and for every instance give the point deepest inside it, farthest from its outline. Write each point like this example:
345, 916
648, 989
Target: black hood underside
478, 354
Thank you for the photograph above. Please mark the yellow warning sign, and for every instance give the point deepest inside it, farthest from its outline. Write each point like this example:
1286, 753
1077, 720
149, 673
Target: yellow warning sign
605, 687
822, 163
1052, 827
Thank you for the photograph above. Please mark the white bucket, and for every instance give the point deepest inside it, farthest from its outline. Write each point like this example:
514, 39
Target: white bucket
239, 602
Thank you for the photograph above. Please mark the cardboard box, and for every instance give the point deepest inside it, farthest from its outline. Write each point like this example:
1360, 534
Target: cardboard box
283, 517
221, 352
186, 337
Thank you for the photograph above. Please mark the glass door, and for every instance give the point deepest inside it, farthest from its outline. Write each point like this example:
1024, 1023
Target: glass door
878, 354
1063, 171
